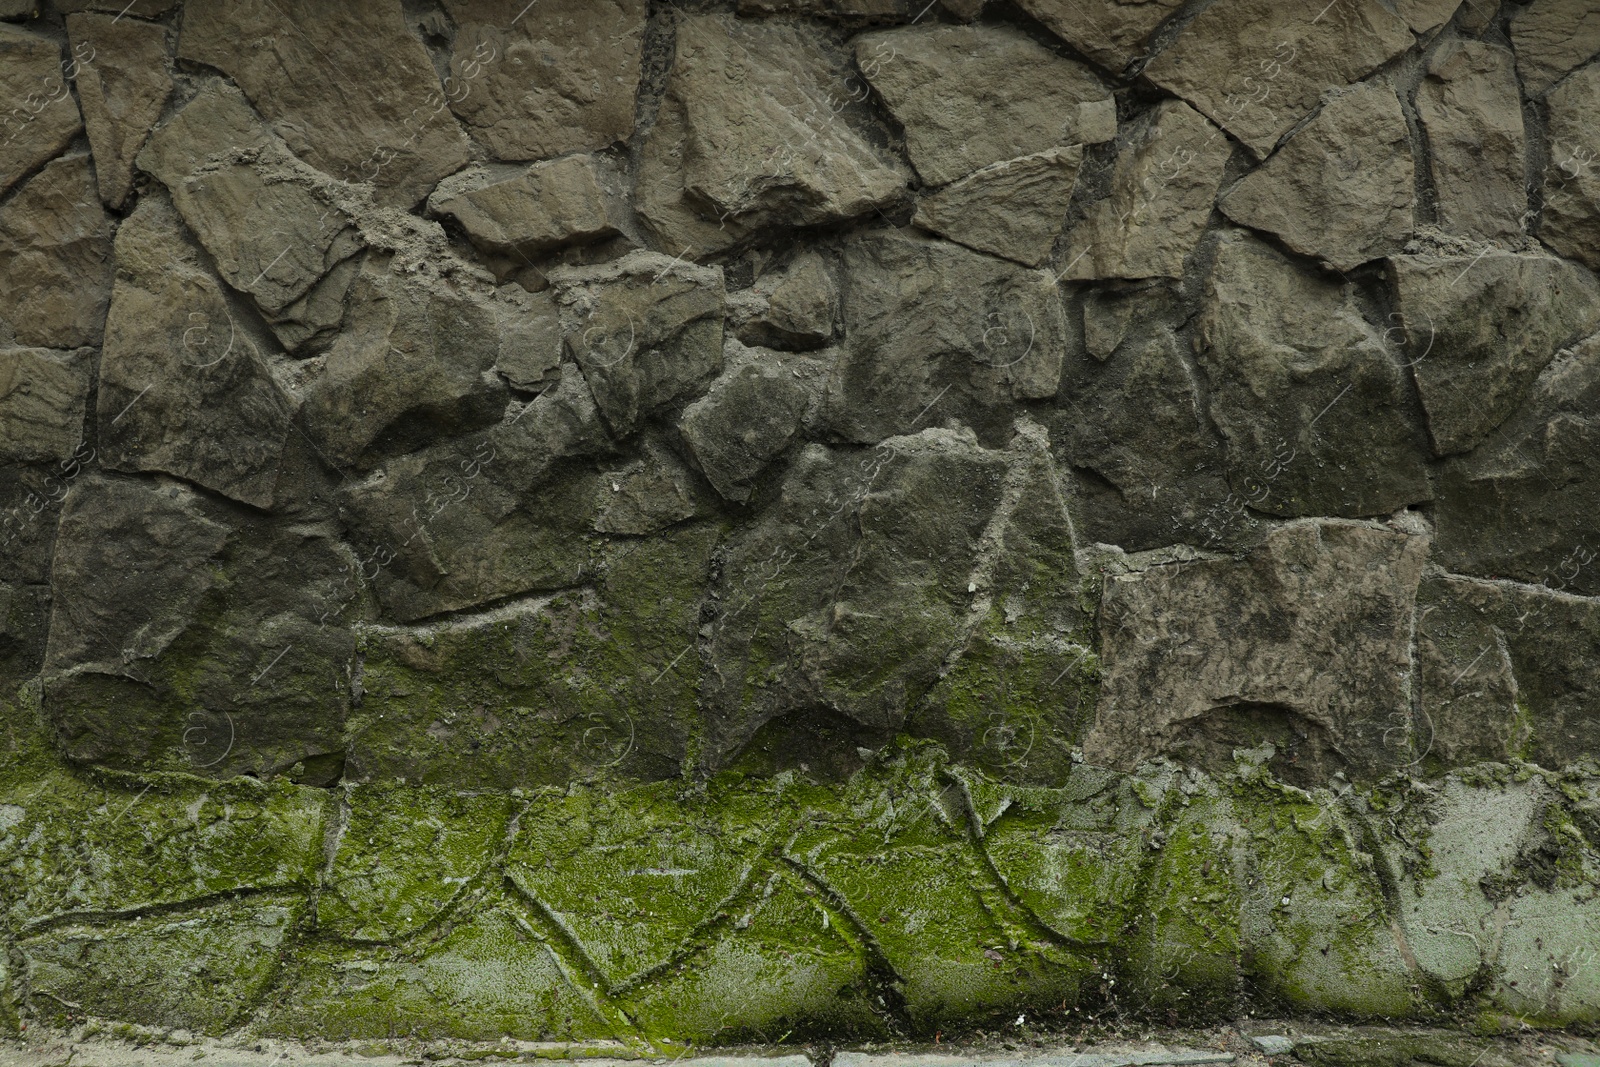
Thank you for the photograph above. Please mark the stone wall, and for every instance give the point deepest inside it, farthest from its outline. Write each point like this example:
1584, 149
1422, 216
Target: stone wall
604, 521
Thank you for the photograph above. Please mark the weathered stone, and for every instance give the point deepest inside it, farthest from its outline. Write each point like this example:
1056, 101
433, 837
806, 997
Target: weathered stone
1309, 632
19, 9
123, 84
456, 525
34, 76
748, 417
43, 396
758, 130
935, 329
1257, 67
1571, 218
271, 233
531, 210
969, 96
55, 258
654, 492
1524, 503
796, 308
203, 971
183, 387
646, 330
595, 682
409, 366
1110, 32
1481, 328
535, 82
1507, 671
148, 9
1471, 111
350, 89
183, 641
1014, 209
1341, 188
852, 588
1425, 16
853, 11
1306, 393
529, 326
1128, 421
1162, 192
1552, 37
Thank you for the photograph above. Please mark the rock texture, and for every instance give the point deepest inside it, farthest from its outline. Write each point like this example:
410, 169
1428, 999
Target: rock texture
597, 529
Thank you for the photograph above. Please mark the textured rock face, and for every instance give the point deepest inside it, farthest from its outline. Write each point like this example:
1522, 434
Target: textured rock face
629, 525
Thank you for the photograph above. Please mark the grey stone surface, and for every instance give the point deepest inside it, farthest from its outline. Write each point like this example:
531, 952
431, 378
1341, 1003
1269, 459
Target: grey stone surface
1551, 38
1014, 209
959, 93
1341, 188
1471, 111
748, 417
527, 211
55, 258
43, 118
43, 395
123, 84
1110, 32
1571, 220
793, 308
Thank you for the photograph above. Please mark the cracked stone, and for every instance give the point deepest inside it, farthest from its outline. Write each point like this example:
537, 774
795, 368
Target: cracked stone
796, 308
1312, 404
972, 96
1481, 328
1471, 111
526, 211
652, 493
541, 81
34, 74
1257, 67
1425, 16
1341, 188
1552, 37
1014, 209
748, 417
122, 88
350, 89
1571, 219
1162, 192
1310, 630
55, 258
183, 389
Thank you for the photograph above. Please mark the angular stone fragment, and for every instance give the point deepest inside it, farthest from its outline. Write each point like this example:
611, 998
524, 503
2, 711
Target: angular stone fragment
43, 395
1311, 629
1525, 503
1305, 391
1508, 671
1342, 187
1471, 112
852, 587
183, 387
456, 524
760, 128
796, 308
41, 115
1110, 32
148, 9
1425, 16
969, 96
1571, 218
531, 210
123, 84
529, 326
349, 87
648, 495
182, 641
1162, 193
843, 10
410, 365
271, 232
1480, 330
55, 258
1552, 37
1014, 209
747, 417
646, 329
1128, 420
1257, 67
535, 82
934, 329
